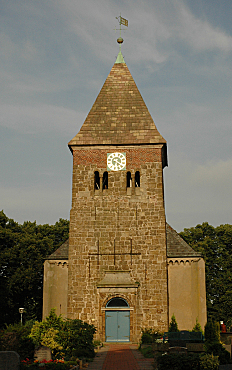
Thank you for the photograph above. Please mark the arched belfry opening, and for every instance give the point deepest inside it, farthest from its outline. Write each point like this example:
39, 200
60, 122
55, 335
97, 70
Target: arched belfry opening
128, 180
137, 179
105, 180
96, 180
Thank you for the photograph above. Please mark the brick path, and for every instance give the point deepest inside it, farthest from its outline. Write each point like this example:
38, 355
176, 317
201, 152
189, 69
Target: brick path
120, 357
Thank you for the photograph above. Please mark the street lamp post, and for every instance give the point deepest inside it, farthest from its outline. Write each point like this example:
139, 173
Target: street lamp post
21, 310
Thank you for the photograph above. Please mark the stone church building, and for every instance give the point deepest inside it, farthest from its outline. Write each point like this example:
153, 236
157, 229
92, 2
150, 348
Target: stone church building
123, 268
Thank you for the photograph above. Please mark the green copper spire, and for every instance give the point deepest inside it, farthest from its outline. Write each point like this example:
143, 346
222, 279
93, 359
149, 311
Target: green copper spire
120, 58
120, 39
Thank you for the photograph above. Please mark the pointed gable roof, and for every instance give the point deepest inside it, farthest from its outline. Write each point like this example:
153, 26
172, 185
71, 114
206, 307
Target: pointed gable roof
119, 115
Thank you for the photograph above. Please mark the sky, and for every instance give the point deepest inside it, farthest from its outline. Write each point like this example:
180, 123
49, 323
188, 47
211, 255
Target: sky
54, 58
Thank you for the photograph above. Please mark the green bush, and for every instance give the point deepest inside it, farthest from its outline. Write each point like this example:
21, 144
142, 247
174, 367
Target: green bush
50, 365
213, 346
197, 327
190, 362
173, 327
147, 352
66, 338
149, 336
15, 337
76, 338
212, 331
208, 362
178, 362
217, 349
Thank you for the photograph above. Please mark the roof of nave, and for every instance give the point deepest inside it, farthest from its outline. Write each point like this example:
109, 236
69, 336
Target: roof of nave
61, 253
119, 116
176, 247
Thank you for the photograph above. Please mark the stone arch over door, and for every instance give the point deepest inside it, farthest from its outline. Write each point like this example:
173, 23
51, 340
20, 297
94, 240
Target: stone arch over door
117, 320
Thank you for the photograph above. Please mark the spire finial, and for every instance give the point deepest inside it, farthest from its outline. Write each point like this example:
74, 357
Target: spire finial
124, 22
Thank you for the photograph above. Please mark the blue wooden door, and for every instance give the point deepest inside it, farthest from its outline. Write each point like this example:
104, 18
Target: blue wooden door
117, 326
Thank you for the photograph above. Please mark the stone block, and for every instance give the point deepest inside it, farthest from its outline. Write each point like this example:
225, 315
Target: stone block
9, 360
43, 353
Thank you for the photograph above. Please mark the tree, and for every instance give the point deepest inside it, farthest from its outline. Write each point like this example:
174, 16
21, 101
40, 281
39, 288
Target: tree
23, 249
215, 245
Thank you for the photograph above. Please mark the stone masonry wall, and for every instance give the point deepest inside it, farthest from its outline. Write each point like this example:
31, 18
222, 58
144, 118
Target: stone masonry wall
113, 229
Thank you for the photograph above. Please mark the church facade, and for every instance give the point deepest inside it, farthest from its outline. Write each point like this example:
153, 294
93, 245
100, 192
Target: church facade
123, 268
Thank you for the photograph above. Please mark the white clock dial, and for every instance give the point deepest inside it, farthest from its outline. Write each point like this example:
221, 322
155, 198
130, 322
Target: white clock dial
116, 161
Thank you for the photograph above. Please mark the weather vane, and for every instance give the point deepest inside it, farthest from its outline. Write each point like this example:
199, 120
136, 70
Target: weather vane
124, 22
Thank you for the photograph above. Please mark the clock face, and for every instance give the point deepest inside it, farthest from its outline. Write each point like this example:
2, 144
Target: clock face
116, 161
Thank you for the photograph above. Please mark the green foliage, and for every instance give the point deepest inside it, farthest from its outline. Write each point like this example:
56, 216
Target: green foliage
212, 332
213, 344
66, 338
15, 337
150, 335
215, 245
197, 327
178, 362
47, 365
173, 326
208, 362
147, 352
190, 362
217, 349
23, 249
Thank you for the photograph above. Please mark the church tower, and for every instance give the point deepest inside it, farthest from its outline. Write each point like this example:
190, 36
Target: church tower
117, 275
123, 267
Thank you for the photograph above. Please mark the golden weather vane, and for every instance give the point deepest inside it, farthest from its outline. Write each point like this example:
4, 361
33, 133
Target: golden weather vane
124, 22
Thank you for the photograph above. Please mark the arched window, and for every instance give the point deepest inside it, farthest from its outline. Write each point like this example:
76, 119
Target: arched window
105, 181
117, 302
128, 180
96, 180
137, 179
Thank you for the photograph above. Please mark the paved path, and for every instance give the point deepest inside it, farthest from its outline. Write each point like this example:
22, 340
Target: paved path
120, 357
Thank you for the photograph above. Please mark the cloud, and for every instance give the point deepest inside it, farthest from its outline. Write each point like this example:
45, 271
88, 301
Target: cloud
200, 34
215, 176
34, 203
155, 29
41, 119
198, 192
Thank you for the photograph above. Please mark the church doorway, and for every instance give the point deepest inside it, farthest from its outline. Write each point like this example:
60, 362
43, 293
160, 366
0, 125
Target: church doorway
117, 320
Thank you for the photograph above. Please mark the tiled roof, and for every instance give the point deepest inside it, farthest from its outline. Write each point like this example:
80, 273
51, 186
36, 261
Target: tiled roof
61, 253
119, 115
176, 247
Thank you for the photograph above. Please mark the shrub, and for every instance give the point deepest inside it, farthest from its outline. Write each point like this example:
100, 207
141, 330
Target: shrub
217, 349
208, 362
213, 346
178, 362
197, 327
212, 331
76, 337
66, 338
149, 336
147, 352
190, 362
15, 337
173, 327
